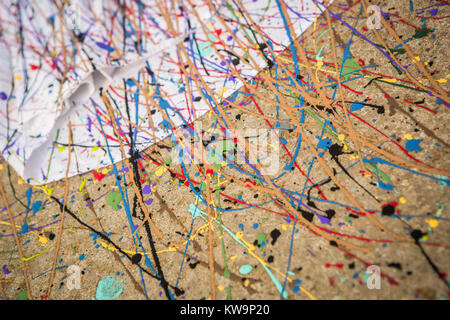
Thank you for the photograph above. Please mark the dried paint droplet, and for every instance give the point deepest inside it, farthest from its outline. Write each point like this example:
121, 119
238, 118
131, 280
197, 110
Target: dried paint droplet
113, 199
433, 223
261, 239
245, 269
413, 145
146, 189
23, 295
109, 288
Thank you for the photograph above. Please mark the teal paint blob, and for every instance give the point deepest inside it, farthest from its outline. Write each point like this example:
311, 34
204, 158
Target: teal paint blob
245, 269
109, 288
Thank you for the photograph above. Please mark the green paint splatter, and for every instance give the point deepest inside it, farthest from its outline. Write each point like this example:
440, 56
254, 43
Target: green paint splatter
113, 199
261, 238
109, 288
23, 295
392, 50
350, 66
421, 33
229, 297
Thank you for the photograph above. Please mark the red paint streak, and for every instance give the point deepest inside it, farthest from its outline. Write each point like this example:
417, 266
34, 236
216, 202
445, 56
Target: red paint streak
420, 106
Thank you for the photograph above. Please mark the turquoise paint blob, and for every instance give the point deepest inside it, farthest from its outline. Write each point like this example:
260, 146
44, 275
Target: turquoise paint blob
245, 269
109, 288
366, 277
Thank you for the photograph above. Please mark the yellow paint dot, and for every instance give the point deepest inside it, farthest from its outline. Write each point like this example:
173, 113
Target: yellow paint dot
1, 166
402, 200
341, 137
160, 171
233, 257
407, 136
220, 288
95, 148
17, 78
43, 240
284, 227
442, 80
105, 171
61, 149
246, 283
20, 181
433, 223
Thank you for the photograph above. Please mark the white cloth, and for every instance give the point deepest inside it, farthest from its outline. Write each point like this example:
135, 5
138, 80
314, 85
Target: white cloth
34, 119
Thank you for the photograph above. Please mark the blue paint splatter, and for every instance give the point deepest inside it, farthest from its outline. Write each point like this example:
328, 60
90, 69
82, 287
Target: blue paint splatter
413, 145
356, 106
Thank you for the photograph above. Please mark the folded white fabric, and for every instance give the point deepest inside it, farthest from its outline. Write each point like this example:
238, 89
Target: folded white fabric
56, 59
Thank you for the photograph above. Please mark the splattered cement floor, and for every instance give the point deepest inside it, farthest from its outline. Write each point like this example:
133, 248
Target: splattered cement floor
367, 185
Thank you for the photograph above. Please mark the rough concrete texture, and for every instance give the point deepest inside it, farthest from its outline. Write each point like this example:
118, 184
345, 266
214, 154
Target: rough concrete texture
333, 268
